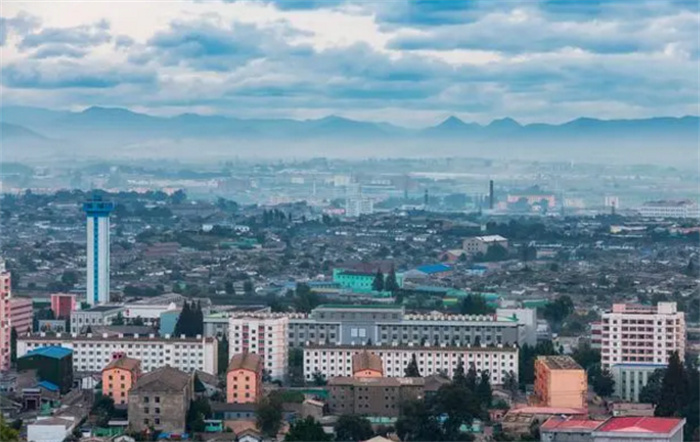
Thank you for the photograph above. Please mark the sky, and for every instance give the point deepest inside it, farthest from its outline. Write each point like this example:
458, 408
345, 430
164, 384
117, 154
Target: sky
408, 62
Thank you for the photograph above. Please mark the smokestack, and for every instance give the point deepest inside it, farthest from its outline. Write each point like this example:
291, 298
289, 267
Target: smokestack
425, 198
490, 194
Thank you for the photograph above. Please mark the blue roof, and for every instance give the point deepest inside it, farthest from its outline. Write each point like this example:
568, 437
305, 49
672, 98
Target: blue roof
51, 352
48, 385
434, 268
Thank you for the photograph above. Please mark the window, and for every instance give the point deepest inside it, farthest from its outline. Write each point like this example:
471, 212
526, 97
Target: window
157, 421
145, 399
157, 399
146, 410
157, 411
145, 421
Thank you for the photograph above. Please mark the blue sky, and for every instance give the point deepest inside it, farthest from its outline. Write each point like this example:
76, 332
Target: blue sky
411, 62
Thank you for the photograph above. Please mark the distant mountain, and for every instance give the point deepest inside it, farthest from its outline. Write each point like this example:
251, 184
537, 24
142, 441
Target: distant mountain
12, 131
452, 126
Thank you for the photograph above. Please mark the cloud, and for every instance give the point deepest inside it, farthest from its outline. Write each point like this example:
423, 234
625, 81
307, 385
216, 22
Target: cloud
78, 36
62, 75
59, 50
21, 24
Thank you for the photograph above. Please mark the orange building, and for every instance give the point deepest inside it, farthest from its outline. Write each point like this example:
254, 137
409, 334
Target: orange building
560, 382
367, 365
118, 377
244, 378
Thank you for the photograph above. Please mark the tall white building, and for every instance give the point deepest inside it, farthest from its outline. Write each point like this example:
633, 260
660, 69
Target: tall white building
265, 336
97, 212
355, 207
670, 209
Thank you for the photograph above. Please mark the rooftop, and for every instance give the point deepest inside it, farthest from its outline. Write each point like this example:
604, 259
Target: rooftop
164, 378
654, 425
359, 306
383, 382
102, 308
560, 362
376, 348
560, 423
366, 361
245, 361
124, 363
50, 352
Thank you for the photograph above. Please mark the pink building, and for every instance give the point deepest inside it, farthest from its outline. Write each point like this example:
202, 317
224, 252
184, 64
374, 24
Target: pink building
21, 315
642, 334
5, 317
62, 304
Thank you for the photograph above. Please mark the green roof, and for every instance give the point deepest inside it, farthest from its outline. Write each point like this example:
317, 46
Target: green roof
352, 306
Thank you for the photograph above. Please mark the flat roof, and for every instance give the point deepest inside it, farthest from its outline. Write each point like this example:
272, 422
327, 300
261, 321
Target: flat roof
560, 362
407, 347
359, 306
101, 308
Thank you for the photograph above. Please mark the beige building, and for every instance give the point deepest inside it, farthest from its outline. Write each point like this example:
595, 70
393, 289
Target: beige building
367, 365
373, 396
262, 335
244, 378
481, 244
560, 382
161, 399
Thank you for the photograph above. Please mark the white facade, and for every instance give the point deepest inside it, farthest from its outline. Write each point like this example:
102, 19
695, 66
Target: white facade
266, 337
670, 209
50, 429
5, 316
355, 207
642, 334
631, 378
97, 257
91, 353
524, 316
337, 361
481, 244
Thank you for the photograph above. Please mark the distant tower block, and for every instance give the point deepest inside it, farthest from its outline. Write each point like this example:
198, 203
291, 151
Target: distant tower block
425, 198
490, 194
97, 212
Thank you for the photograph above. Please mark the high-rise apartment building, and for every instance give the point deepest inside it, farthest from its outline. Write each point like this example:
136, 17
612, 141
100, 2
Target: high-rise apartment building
97, 212
560, 382
264, 336
5, 316
21, 314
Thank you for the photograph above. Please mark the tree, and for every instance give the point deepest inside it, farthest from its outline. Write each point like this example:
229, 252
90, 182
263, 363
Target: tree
103, 408
378, 283
651, 392
458, 376
674, 393
118, 320
248, 287
352, 427
471, 378
222, 355
555, 312
586, 356
412, 370
228, 287
182, 324
199, 410
417, 423
319, 379
484, 392
13, 345
307, 430
603, 382
526, 360
391, 284
7, 433
268, 414
510, 383
475, 304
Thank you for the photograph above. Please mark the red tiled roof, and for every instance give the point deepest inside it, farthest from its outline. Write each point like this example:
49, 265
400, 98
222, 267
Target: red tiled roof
662, 425
560, 423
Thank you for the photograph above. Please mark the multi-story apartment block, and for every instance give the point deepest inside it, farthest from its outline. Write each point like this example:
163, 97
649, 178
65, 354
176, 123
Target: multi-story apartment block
372, 396
634, 334
92, 352
118, 377
160, 399
244, 379
21, 314
480, 244
265, 335
333, 361
5, 317
63, 304
560, 382
95, 316
670, 209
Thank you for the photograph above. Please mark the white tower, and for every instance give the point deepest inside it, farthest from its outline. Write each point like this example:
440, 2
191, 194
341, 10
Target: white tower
97, 212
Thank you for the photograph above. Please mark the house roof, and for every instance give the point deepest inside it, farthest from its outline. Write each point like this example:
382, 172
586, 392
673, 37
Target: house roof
53, 351
561, 423
366, 361
434, 268
48, 385
124, 363
163, 379
560, 362
650, 425
245, 361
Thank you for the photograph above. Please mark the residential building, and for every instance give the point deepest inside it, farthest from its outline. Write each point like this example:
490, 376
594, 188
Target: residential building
630, 378
560, 382
367, 365
94, 316
97, 212
670, 209
118, 377
21, 314
359, 280
5, 316
264, 335
149, 309
568, 429
92, 352
527, 317
161, 399
354, 207
642, 334
52, 363
336, 361
374, 396
244, 378
640, 428
63, 304
216, 324
596, 335
50, 428
480, 244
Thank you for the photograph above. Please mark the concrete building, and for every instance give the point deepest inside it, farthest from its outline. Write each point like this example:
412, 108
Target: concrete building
168, 321
149, 309
634, 429
161, 399
94, 316
354, 207
481, 244
670, 209
21, 314
118, 377
374, 396
265, 336
53, 364
50, 428
367, 365
97, 212
359, 280
336, 361
631, 378
642, 334
527, 317
5, 316
244, 378
63, 304
560, 382
92, 352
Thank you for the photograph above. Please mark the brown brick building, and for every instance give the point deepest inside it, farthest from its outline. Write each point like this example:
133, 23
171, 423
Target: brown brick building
160, 399
372, 396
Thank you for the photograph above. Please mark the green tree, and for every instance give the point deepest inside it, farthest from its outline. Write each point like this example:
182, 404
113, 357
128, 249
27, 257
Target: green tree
103, 409
417, 423
248, 287
268, 414
199, 410
307, 430
651, 392
351, 427
674, 388
305, 300
602, 380
458, 376
586, 356
475, 304
378, 283
483, 391
228, 287
118, 320
412, 370
319, 379
391, 284
222, 354
182, 326
7, 433
13, 345
471, 379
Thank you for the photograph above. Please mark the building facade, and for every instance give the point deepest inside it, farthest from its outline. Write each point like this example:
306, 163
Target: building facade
94, 316
63, 304
97, 212
631, 378
375, 396
118, 377
670, 209
560, 382
336, 361
21, 314
53, 364
5, 316
92, 352
367, 365
642, 334
244, 378
480, 244
264, 335
161, 399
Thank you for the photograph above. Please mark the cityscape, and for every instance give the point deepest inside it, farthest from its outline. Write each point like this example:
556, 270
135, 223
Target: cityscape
345, 220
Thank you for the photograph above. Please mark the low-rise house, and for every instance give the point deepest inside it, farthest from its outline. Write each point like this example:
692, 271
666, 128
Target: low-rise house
161, 399
118, 377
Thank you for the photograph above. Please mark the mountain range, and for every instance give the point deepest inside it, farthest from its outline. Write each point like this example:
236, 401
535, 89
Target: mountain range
88, 130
